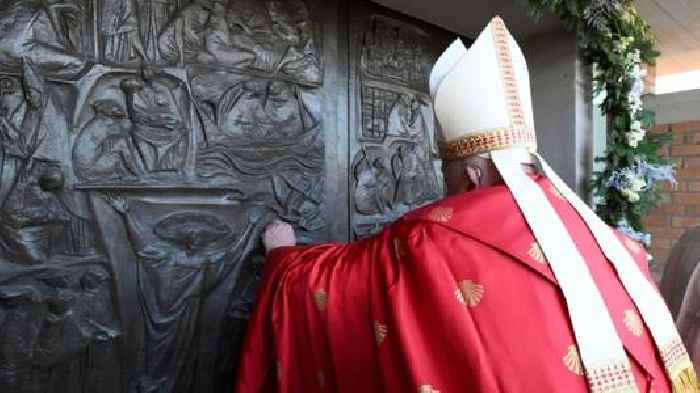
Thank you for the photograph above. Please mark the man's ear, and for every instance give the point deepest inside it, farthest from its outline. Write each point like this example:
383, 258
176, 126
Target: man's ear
473, 174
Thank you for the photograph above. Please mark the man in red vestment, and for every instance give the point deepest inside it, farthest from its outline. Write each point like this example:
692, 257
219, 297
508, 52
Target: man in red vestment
510, 284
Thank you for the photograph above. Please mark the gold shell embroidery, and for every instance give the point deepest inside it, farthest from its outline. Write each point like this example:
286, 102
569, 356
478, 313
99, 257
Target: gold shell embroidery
632, 246
633, 322
686, 381
321, 299
471, 292
380, 332
427, 389
536, 253
441, 214
572, 360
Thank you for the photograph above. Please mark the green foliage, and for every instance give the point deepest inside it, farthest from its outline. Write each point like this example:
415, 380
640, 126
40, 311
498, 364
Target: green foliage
610, 34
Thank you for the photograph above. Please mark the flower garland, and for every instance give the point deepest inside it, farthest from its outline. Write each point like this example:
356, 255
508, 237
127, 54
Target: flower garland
617, 41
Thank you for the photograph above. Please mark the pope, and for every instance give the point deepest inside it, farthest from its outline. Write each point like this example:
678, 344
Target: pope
510, 284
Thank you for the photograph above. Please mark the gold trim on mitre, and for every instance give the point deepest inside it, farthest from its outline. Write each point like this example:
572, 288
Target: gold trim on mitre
510, 81
486, 140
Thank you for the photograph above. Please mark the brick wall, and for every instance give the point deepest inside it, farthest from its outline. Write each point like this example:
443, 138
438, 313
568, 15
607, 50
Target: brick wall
681, 207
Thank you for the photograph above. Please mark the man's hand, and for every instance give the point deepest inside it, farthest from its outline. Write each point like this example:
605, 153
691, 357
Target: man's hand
278, 234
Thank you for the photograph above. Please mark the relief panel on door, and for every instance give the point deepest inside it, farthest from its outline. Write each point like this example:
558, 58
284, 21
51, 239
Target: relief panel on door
144, 144
392, 127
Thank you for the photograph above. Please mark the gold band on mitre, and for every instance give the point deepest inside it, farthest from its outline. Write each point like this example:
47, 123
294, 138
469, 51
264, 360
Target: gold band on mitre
487, 140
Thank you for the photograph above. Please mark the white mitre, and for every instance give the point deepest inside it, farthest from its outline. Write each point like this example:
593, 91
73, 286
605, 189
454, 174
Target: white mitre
482, 95
482, 101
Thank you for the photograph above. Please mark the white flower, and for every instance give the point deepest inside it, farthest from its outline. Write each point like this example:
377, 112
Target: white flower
635, 136
636, 125
638, 184
636, 71
632, 139
631, 196
636, 55
634, 184
637, 89
635, 97
635, 111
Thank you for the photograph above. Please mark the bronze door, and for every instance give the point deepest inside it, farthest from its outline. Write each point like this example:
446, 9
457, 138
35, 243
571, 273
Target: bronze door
144, 144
